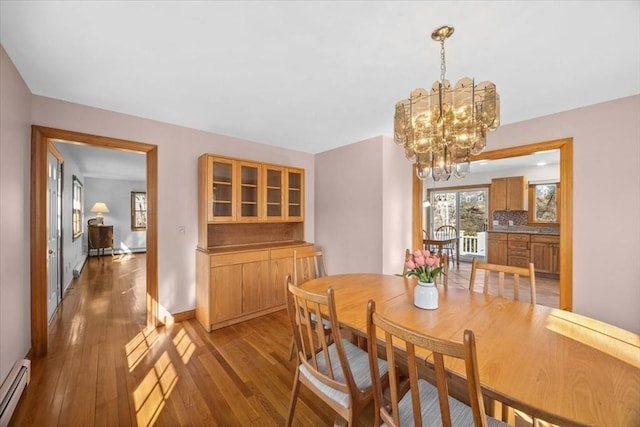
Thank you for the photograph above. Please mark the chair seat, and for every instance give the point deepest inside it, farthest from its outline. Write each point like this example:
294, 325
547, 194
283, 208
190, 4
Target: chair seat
359, 364
461, 414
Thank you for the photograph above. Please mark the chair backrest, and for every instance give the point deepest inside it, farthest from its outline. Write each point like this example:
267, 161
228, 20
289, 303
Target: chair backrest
307, 265
503, 270
330, 368
446, 232
396, 336
444, 263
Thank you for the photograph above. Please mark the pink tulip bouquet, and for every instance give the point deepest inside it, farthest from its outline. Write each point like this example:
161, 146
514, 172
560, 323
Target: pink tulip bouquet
423, 265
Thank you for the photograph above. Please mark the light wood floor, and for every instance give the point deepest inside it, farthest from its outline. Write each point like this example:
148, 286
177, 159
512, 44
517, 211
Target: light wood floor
104, 369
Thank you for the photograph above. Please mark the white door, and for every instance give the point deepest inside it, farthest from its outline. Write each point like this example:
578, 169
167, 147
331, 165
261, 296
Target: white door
53, 235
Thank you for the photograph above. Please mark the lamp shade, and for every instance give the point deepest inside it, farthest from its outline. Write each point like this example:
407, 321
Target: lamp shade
100, 208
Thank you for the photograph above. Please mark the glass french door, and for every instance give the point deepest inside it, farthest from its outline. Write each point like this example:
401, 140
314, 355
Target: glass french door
465, 209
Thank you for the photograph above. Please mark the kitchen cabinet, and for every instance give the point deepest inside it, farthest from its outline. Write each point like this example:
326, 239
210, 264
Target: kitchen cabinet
497, 251
509, 194
238, 285
545, 253
518, 254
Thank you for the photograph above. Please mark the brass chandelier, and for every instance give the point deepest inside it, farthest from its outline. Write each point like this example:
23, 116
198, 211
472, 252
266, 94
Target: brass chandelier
443, 128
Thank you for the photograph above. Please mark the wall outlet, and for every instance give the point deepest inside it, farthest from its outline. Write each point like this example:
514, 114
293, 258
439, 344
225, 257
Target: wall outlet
182, 229
510, 223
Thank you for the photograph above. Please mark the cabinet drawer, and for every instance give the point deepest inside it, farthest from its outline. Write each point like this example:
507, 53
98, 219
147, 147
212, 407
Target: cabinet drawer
288, 252
497, 236
518, 245
519, 252
519, 261
238, 258
545, 239
518, 237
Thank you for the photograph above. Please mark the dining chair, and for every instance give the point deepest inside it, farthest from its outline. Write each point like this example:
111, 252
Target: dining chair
516, 273
335, 370
503, 270
308, 265
423, 402
448, 232
444, 263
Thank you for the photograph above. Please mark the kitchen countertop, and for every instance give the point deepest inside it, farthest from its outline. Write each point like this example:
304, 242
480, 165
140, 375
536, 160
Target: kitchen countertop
549, 231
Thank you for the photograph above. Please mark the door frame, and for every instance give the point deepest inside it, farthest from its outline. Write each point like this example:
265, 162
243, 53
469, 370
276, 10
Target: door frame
565, 145
40, 140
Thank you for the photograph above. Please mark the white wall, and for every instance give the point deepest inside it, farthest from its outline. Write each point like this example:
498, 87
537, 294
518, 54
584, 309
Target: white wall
363, 206
397, 220
116, 194
349, 207
178, 150
15, 277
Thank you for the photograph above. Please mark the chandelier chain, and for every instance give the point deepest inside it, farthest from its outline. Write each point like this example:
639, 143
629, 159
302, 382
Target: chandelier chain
443, 67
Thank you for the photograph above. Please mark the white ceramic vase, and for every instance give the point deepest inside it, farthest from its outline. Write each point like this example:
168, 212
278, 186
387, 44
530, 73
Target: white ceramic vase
425, 295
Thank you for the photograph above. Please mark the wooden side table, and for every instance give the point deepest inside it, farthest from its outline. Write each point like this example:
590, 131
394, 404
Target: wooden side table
100, 237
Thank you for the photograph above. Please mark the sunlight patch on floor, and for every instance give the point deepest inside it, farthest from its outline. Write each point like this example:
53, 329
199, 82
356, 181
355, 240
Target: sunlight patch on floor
151, 394
139, 346
184, 345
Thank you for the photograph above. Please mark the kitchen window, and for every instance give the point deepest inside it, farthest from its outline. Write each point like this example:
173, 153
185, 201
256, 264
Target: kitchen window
543, 203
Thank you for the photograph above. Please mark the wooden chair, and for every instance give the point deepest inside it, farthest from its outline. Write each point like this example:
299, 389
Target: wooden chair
338, 373
423, 402
517, 272
308, 265
444, 262
448, 232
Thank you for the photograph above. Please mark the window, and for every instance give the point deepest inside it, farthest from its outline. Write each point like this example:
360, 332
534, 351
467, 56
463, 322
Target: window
138, 210
77, 211
543, 203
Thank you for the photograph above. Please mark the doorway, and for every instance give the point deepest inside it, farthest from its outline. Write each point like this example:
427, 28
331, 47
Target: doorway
565, 146
41, 138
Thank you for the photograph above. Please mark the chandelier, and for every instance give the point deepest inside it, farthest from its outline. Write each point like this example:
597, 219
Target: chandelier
443, 128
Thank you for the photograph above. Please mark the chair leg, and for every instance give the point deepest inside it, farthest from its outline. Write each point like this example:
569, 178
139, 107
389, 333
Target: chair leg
294, 398
291, 349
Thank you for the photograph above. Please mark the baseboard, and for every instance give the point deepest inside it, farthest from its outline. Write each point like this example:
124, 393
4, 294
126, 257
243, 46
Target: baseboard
172, 318
78, 268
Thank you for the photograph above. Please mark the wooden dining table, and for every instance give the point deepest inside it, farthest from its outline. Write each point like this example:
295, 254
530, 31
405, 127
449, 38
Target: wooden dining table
441, 244
555, 365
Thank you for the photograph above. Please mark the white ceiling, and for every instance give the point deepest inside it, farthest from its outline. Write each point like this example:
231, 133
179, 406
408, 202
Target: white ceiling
316, 75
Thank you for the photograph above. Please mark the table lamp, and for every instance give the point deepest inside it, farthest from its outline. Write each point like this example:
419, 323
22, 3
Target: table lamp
100, 209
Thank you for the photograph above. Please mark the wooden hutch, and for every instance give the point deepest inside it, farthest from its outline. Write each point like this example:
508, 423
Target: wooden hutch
250, 220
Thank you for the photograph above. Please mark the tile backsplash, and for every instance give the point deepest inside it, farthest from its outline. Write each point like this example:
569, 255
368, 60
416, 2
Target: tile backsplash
518, 217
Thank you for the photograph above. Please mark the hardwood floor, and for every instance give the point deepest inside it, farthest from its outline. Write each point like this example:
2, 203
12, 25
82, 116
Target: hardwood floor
105, 369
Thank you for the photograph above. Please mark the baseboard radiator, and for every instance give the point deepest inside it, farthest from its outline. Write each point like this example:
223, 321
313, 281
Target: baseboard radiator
12, 388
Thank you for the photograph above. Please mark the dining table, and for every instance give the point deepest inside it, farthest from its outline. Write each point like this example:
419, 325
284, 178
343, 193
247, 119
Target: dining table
555, 365
441, 243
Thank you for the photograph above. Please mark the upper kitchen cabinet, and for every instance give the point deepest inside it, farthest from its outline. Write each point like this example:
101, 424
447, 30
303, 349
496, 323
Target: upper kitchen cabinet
273, 190
509, 194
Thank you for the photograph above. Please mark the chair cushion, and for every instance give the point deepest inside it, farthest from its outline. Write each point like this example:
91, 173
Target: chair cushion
359, 364
461, 414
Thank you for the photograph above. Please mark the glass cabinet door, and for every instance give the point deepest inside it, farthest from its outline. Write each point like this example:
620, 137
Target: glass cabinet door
295, 191
248, 191
274, 192
221, 196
